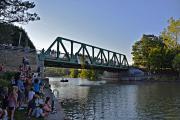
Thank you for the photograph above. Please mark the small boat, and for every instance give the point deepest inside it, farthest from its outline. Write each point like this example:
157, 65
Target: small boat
66, 80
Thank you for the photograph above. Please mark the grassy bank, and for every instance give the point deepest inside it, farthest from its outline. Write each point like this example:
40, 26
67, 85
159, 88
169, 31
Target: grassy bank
21, 115
5, 81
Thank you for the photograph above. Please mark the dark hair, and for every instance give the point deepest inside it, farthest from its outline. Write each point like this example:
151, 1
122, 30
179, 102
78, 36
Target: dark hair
36, 80
17, 76
47, 99
41, 106
32, 89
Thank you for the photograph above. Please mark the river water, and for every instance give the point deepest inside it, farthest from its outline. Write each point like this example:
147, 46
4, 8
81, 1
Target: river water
83, 100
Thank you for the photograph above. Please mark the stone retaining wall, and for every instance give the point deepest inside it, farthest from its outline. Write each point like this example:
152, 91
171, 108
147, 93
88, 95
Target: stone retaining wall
13, 58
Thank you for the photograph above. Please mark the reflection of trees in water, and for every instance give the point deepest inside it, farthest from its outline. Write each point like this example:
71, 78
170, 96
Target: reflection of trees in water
111, 102
158, 101
57, 85
101, 103
75, 109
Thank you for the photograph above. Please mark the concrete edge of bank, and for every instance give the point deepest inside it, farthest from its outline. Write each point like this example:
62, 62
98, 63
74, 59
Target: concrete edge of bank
59, 115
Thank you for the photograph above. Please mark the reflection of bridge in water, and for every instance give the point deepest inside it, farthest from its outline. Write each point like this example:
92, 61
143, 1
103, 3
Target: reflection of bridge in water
72, 54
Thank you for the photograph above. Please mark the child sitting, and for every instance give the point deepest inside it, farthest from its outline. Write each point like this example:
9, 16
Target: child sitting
47, 106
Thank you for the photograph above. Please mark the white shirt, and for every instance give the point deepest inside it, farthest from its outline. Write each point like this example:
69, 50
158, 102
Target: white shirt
30, 95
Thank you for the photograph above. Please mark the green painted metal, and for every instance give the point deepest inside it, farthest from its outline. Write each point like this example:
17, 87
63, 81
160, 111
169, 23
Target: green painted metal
62, 55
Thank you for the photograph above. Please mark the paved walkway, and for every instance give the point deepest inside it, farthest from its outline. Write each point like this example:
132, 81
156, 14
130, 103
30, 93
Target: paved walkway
59, 115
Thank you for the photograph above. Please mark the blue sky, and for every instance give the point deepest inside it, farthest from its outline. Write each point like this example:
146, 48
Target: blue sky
109, 24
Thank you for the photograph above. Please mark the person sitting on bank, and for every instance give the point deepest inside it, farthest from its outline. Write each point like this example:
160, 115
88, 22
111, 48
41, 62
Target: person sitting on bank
39, 112
47, 106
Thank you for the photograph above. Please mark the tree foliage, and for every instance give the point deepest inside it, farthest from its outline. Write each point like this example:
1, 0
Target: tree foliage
170, 34
144, 51
176, 63
84, 74
17, 11
73, 73
53, 71
157, 52
9, 34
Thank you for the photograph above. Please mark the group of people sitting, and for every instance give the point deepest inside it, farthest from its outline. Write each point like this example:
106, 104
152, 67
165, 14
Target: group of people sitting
25, 92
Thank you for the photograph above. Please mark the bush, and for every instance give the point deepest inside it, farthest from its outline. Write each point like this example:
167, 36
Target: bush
4, 83
7, 75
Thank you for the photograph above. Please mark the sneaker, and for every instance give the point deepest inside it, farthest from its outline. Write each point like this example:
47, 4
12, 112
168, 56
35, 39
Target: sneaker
53, 112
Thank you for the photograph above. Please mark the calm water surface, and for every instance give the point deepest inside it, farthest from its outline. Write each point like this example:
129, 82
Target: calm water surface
132, 101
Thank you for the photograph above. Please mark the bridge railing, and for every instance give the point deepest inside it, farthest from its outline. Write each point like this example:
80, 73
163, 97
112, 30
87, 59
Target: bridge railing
70, 51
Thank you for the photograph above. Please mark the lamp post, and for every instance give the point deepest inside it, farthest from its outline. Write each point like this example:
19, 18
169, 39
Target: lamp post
20, 35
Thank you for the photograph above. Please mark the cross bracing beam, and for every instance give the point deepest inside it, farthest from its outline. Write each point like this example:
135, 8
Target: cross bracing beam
66, 52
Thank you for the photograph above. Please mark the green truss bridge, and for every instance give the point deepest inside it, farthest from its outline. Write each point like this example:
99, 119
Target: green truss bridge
72, 54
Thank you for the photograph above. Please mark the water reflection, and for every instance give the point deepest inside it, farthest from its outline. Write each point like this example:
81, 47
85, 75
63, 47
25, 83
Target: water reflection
68, 90
159, 101
137, 101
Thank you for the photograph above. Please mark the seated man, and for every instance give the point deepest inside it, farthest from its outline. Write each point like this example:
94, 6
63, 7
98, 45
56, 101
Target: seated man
39, 112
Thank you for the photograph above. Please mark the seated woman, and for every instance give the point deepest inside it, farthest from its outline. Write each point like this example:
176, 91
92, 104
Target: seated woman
47, 106
3, 114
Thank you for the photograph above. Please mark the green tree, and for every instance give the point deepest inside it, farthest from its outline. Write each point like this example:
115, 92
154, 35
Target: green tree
144, 49
170, 39
73, 73
84, 74
9, 34
17, 11
156, 58
92, 74
176, 63
170, 34
157, 53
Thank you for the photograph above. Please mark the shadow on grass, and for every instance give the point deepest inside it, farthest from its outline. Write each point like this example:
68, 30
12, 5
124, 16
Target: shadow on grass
21, 115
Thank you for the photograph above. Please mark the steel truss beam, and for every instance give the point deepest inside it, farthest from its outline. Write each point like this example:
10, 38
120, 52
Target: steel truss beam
94, 56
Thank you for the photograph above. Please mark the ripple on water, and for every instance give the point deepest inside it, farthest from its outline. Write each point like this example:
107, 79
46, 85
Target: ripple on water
155, 101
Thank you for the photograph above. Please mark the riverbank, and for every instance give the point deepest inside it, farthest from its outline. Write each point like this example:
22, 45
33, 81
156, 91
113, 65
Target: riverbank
145, 78
59, 114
